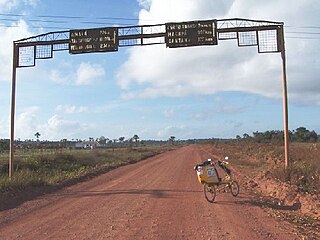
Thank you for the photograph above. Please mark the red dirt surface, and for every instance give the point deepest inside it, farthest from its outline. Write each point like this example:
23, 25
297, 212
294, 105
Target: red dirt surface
159, 198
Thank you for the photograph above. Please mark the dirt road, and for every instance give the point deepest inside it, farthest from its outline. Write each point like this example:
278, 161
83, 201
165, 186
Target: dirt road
158, 198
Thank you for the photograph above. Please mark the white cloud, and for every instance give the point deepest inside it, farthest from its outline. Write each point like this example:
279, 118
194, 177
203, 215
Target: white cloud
4, 131
168, 113
7, 5
145, 3
58, 77
181, 10
32, 2
210, 113
177, 131
18, 30
108, 107
182, 72
155, 71
26, 123
86, 74
15, 31
69, 109
56, 127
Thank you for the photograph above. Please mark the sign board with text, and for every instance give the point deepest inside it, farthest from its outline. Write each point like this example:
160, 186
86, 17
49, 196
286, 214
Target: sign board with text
93, 40
194, 33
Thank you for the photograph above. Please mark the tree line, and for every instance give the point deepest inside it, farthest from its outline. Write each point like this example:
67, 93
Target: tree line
301, 134
64, 143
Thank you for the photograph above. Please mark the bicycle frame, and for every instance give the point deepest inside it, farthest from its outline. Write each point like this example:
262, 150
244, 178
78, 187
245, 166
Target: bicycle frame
208, 176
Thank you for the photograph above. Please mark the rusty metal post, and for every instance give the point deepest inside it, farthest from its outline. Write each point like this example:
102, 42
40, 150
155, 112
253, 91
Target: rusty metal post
13, 103
285, 100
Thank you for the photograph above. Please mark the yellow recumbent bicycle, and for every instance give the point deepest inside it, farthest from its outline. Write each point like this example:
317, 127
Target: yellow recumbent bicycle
208, 176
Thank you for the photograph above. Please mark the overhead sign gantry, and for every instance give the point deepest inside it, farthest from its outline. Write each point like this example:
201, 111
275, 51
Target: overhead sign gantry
187, 34
267, 36
93, 40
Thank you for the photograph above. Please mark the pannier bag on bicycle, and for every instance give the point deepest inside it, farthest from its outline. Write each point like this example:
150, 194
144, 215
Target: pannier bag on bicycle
207, 173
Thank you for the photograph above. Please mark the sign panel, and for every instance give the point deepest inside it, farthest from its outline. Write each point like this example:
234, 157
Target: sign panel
93, 40
194, 33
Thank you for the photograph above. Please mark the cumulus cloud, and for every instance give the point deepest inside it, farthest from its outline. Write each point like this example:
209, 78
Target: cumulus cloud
30, 120
86, 74
157, 11
26, 123
145, 3
57, 126
155, 71
17, 31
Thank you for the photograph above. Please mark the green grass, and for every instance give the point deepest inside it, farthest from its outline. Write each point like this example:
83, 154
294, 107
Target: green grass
43, 168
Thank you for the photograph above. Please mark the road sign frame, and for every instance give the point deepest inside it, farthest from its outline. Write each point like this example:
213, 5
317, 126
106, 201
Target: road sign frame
93, 40
191, 33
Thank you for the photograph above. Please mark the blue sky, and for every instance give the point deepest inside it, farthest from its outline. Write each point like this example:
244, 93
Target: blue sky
155, 92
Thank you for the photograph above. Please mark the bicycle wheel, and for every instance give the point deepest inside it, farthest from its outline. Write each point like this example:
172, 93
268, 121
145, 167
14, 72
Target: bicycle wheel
209, 192
234, 187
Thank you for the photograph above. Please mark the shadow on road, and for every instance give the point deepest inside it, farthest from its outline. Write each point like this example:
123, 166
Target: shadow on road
260, 202
156, 193
18, 196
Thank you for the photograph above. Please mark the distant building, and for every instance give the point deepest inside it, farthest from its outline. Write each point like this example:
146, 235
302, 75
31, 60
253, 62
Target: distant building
86, 145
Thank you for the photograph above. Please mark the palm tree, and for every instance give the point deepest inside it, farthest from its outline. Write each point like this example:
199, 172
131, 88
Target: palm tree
121, 139
171, 139
37, 134
135, 138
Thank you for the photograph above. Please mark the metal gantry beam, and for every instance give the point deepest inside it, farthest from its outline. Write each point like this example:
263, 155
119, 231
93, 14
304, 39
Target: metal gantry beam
264, 34
268, 36
247, 32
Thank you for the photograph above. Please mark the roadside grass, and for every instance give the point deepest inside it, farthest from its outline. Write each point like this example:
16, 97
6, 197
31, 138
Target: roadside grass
304, 168
49, 167
266, 159
243, 155
304, 161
